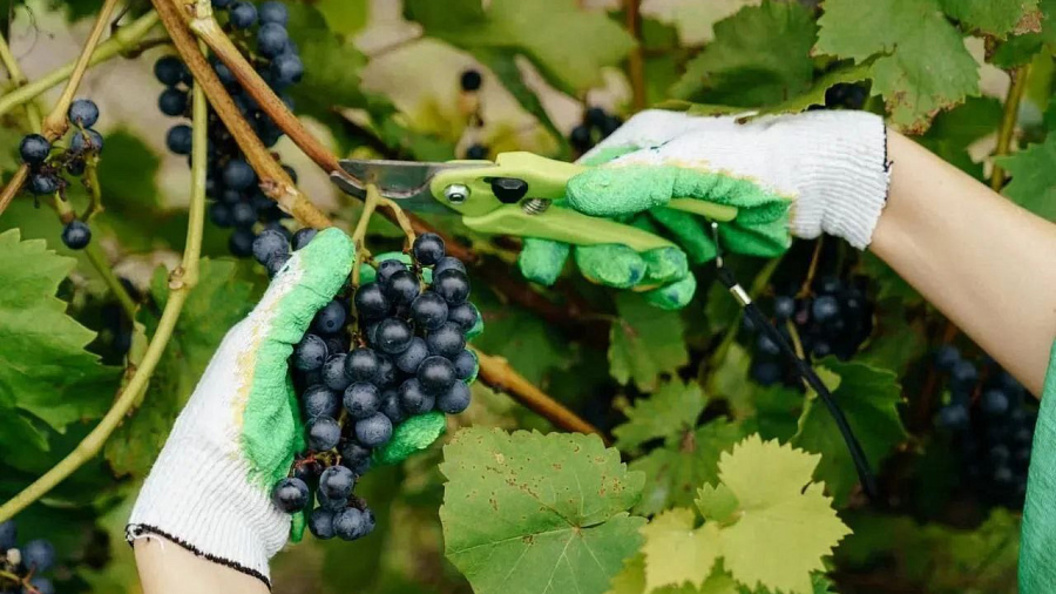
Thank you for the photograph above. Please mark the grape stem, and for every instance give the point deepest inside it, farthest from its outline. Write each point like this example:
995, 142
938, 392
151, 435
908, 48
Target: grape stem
181, 281
632, 14
804, 290
359, 234
55, 124
18, 78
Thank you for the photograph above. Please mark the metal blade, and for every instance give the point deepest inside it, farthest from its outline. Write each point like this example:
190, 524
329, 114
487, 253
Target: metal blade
406, 182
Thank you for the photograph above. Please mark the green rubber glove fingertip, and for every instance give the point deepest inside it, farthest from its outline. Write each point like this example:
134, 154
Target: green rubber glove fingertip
673, 296
665, 265
612, 265
413, 435
542, 260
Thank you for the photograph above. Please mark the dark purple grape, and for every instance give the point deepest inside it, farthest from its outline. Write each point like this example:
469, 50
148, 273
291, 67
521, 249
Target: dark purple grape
34, 149
428, 249
429, 310
409, 360
362, 365
331, 318
436, 375
83, 113
355, 457
455, 399
386, 371
170, 71
334, 373
323, 433
310, 353
374, 430
393, 336
386, 268
446, 341
401, 287
362, 400
465, 365
76, 235
452, 285
290, 495
465, 315
269, 243
371, 303
302, 237
320, 401
390, 406
580, 138
241, 242
349, 524
448, 263
413, 399
243, 15
321, 523
337, 482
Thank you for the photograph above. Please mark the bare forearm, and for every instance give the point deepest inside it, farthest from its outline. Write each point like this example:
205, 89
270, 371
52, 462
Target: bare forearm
983, 261
167, 568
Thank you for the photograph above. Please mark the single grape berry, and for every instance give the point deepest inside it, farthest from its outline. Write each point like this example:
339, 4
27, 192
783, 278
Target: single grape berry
580, 138
477, 151
390, 406
337, 482
323, 433
429, 310
374, 430
334, 373
273, 12
290, 495
355, 457
321, 521
402, 287
428, 248
595, 116
238, 174
269, 243
414, 400
76, 235
448, 263
825, 309
767, 373
946, 356
38, 555
964, 373
8, 535
349, 524
87, 140
34, 149
178, 139
386, 375
452, 285
243, 15
331, 318
394, 336
287, 69
465, 365
362, 365
83, 113
471, 80
784, 307
386, 269
243, 214
446, 341
241, 242
271, 39
76, 167
320, 401
409, 360
995, 403
172, 102
302, 237
371, 302
436, 375
169, 70
465, 315
43, 184
362, 400
455, 399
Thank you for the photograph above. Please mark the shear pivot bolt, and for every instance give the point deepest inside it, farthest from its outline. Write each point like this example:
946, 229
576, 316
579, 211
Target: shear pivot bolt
456, 193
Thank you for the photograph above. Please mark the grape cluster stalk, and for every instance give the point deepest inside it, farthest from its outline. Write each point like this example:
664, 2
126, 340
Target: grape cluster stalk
374, 357
22, 568
237, 200
992, 423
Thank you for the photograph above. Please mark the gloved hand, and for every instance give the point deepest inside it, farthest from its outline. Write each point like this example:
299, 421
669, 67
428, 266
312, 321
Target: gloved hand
210, 488
830, 166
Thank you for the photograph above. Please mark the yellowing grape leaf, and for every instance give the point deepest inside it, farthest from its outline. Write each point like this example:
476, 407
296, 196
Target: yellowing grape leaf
869, 397
924, 66
631, 580
526, 513
782, 516
996, 17
1033, 172
540, 29
645, 342
759, 56
676, 552
672, 410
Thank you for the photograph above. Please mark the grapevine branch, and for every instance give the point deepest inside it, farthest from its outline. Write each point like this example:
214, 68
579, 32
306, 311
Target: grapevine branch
181, 281
18, 79
124, 40
180, 19
55, 124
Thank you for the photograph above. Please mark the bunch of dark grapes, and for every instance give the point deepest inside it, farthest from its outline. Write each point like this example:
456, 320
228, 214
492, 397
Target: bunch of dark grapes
26, 563
597, 125
358, 379
469, 104
834, 320
48, 167
992, 422
237, 200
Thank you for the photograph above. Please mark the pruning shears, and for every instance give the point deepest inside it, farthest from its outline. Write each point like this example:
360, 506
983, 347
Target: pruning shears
512, 195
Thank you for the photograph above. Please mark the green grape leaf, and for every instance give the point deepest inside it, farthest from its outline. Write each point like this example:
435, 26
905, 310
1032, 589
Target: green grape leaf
533, 347
557, 507
9, 158
645, 342
675, 470
45, 373
925, 67
815, 95
344, 17
784, 518
898, 338
127, 175
1021, 49
716, 503
869, 398
671, 411
540, 30
332, 65
759, 56
996, 17
1033, 172
676, 552
219, 300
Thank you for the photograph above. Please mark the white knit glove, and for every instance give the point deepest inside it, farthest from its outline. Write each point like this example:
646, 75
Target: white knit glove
210, 488
833, 164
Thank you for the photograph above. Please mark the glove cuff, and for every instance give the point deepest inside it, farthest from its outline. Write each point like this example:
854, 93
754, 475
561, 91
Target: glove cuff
198, 496
841, 173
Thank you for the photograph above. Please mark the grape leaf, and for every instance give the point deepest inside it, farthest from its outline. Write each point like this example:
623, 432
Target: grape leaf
344, 17
44, 370
676, 552
331, 65
674, 471
996, 17
631, 580
540, 30
672, 410
1020, 49
760, 55
217, 302
925, 66
815, 95
1033, 172
127, 175
785, 519
869, 398
532, 347
645, 342
556, 508
898, 339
